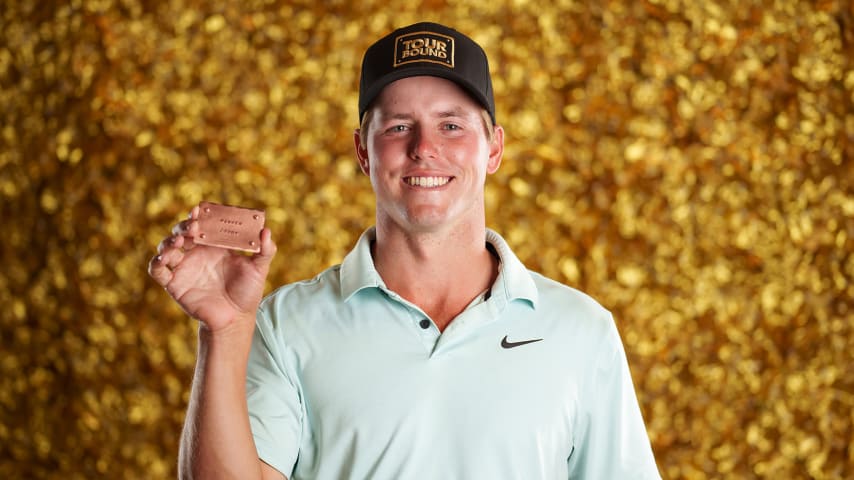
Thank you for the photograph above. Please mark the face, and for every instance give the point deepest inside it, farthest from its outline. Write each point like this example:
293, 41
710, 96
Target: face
428, 155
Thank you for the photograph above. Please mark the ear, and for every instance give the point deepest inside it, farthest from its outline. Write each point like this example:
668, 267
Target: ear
361, 153
496, 151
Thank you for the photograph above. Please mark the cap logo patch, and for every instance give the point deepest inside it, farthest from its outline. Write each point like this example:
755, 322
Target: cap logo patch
426, 47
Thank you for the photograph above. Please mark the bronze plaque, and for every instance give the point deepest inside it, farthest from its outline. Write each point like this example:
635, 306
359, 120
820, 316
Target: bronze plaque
236, 228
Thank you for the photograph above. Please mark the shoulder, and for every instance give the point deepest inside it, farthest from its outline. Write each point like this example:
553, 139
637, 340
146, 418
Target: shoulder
326, 280
554, 295
578, 315
304, 295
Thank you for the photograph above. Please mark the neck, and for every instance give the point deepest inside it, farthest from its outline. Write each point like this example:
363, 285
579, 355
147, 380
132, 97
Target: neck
440, 272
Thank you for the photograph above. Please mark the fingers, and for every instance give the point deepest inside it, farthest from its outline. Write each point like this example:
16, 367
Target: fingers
268, 249
170, 251
187, 230
159, 270
170, 242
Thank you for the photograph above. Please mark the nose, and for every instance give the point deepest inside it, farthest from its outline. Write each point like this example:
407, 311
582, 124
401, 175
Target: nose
424, 144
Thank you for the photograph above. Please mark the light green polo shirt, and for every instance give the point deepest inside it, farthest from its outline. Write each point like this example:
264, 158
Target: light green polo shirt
347, 380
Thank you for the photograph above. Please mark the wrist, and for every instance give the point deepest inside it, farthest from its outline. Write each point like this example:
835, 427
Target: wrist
234, 335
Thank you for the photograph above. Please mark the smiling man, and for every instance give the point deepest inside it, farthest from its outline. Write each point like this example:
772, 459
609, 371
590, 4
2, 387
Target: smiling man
431, 351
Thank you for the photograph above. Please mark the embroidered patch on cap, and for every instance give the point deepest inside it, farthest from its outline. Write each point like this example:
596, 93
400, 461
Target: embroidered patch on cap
424, 47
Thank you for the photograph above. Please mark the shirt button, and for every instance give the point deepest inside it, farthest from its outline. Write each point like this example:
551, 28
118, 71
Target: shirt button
424, 323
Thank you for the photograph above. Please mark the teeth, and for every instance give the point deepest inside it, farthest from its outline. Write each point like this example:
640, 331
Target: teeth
428, 182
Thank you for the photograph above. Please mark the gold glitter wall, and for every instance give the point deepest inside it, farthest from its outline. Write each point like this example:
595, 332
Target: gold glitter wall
688, 163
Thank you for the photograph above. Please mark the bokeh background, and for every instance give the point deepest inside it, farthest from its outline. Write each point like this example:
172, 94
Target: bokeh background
688, 163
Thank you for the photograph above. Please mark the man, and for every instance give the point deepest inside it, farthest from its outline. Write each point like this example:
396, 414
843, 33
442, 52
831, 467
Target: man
430, 352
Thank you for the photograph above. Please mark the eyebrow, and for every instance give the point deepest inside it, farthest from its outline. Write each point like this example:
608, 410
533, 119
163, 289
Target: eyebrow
456, 112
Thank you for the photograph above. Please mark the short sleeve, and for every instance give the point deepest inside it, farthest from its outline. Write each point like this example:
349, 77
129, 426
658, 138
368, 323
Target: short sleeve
275, 408
610, 438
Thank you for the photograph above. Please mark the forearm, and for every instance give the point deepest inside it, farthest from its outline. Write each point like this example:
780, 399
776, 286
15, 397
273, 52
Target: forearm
217, 440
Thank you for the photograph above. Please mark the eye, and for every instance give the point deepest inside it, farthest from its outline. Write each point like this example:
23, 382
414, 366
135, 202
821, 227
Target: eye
451, 126
398, 128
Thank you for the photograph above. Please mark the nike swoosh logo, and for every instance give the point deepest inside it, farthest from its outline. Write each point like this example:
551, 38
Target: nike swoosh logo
507, 344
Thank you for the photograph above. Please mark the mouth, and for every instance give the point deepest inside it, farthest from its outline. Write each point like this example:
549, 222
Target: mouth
427, 182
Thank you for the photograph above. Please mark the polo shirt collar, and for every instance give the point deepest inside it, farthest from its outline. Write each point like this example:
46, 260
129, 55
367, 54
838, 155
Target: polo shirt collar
513, 282
357, 269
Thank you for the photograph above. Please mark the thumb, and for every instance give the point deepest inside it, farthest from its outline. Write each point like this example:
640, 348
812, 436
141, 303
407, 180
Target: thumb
268, 250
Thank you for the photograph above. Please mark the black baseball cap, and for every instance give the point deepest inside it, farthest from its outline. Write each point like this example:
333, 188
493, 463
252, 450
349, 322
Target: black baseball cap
426, 49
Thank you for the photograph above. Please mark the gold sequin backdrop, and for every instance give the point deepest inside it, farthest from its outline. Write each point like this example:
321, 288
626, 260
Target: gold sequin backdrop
686, 162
